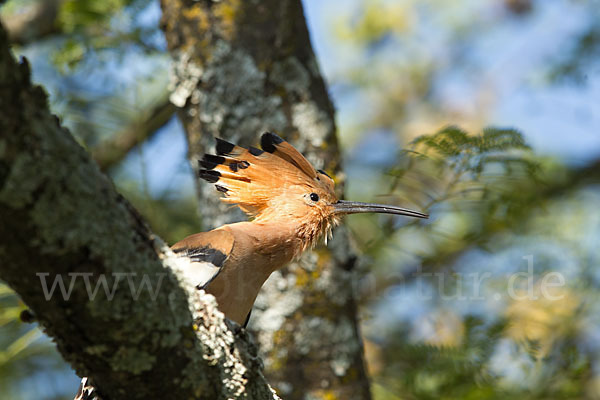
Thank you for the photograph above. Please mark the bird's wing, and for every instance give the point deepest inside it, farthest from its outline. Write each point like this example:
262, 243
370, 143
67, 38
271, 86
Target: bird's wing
207, 252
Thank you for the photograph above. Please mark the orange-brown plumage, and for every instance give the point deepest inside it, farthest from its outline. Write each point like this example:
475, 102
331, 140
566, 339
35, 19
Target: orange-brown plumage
291, 204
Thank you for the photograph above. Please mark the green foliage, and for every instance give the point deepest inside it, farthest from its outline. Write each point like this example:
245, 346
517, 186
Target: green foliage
421, 371
462, 152
78, 15
71, 55
22, 348
377, 19
433, 372
453, 141
482, 192
474, 170
89, 27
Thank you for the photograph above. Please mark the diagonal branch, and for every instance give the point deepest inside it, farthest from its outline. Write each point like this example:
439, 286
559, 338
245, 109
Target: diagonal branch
145, 334
112, 151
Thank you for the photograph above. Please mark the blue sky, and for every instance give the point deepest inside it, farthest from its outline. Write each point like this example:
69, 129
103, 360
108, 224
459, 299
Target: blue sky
561, 120
509, 58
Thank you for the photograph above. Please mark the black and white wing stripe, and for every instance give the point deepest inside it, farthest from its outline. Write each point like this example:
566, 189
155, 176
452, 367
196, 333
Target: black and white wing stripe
208, 252
206, 263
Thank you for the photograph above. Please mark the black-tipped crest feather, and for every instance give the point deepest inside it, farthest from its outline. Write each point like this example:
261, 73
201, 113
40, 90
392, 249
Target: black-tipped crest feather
268, 140
275, 145
210, 162
224, 147
209, 175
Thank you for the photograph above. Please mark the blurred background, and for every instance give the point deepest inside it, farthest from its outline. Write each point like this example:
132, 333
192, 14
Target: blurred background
496, 295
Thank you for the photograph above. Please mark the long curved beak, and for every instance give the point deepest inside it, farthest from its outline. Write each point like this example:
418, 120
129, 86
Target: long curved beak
354, 207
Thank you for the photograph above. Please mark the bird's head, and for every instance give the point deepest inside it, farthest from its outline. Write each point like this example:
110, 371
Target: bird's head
279, 184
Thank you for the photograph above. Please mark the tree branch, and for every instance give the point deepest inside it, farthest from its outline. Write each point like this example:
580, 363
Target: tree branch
151, 336
110, 152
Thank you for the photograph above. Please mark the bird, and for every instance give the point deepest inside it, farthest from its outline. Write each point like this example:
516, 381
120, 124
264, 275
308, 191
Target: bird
291, 205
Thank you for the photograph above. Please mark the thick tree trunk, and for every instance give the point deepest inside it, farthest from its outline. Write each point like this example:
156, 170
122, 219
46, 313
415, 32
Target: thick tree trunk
61, 218
241, 68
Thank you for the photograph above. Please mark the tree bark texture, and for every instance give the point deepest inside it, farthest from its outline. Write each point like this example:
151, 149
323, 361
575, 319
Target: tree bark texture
60, 216
241, 68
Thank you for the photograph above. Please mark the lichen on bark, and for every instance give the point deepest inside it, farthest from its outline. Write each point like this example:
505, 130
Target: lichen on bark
61, 217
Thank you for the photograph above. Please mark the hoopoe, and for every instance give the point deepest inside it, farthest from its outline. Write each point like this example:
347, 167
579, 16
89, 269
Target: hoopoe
291, 205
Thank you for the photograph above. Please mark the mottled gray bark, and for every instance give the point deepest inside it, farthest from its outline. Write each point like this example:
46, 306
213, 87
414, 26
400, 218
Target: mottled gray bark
241, 68
61, 217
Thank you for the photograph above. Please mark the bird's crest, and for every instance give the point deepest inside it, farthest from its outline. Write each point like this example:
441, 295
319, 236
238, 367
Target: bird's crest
253, 178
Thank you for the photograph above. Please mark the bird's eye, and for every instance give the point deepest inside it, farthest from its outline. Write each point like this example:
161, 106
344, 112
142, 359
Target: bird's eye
314, 197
